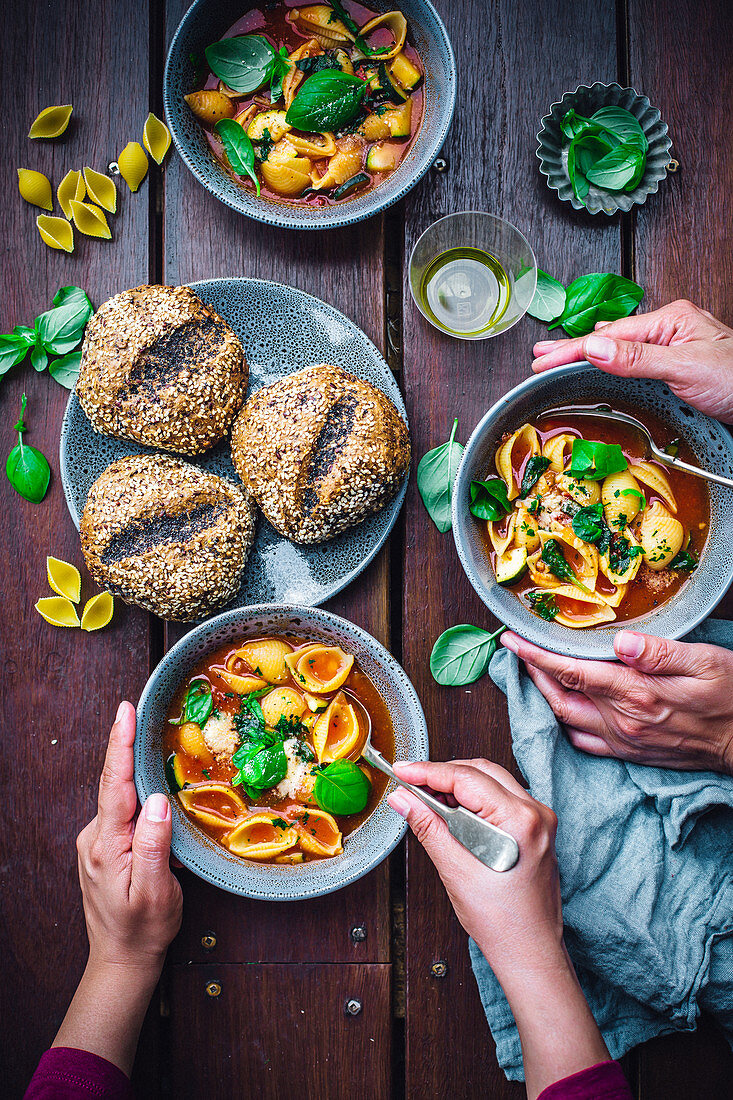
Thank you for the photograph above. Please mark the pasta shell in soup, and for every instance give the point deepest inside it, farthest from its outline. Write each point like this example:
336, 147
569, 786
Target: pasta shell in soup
318, 833
501, 532
524, 443
320, 668
580, 556
337, 733
630, 563
282, 703
345, 162
285, 171
583, 491
295, 76
661, 536
558, 450
525, 530
191, 740
213, 804
578, 611
261, 836
267, 658
622, 499
656, 480
242, 683
396, 24
320, 21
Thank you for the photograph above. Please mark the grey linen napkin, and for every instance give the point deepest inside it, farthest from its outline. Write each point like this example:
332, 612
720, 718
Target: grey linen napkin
646, 871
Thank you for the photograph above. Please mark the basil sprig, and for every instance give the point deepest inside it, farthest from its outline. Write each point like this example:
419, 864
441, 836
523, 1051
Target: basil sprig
327, 100
341, 788
590, 525
608, 150
593, 460
436, 473
198, 703
462, 654
26, 468
600, 296
489, 499
238, 148
260, 766
57, 332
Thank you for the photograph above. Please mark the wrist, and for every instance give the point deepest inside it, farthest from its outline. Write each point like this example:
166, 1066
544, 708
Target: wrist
139, 974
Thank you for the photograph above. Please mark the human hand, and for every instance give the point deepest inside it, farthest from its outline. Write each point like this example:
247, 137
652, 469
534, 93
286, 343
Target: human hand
669, 704
679, 344
132, 901
515, 915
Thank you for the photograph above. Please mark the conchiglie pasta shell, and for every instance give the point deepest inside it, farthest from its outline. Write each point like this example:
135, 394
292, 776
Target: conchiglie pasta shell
282, 703
101, 189
51, 122
525, 438
598, 610
192, 742
318, 833
317, 145
35, 188
344, 163
209, 106
294, 77
396, 23
613, 599
241, 683
318, 20
582, 491
558, 449
156, 138
64, 578
374, 128
72, 186
621, 505
133, 164
580, 556
213, 804
90, 220
626, 577
287, 177
651, 475
98, 612
661, 536
260, 836
267, 658
337, 733
55, 232
58, 611
526, 531
498, 541
320, 668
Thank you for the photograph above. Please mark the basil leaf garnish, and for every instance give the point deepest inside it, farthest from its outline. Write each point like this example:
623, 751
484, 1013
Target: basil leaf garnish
549, 298
260, 765
543, 604
462, 654
26, 468
684, 561
65, 370
593, 460
238, 148
243, 63
198, 703
326, 101
60, 329
588, 523
436, 473
489, 499
597, 297
533, 471
341, 788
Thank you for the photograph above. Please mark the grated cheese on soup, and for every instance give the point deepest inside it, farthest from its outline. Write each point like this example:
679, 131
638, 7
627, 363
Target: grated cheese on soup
298, 781
220, 735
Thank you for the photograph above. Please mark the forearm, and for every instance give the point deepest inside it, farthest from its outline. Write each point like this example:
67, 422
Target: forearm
558, 1033
107, 1012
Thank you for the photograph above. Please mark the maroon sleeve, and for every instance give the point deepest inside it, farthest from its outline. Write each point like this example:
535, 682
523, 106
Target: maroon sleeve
602, 1082
65, 1073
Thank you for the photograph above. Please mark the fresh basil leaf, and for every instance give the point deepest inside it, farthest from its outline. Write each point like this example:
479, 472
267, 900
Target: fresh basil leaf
462, 654
617, 168
238, 149
243, 63
61, 329
588, 523
310, 65
39, 359
621, 123
326, 101
594, 461
67, 294
261, 766
436, 473
27, 334
533, 471
543, 604
341, 788
198, 703
344, 16
549, 298
553, 557
597, 297
684, 561
489, 499
574, 125
65, 371
26, 468
13, 350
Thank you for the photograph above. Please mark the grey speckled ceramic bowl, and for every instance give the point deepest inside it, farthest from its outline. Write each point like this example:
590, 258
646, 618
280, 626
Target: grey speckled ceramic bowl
207, 20
369, 844
585, 385
586, 100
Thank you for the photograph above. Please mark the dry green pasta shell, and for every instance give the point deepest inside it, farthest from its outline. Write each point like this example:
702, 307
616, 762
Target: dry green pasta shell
156, 138
35, 188
51, 122
101, 189
133, 164
90, 220
69, 188
55, 232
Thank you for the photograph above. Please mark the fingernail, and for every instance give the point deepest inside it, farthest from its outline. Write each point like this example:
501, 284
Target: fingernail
602, 324
402, 763
399, 803
157, 808
600, 347
120, 711
510, 643
545, 345
629, 644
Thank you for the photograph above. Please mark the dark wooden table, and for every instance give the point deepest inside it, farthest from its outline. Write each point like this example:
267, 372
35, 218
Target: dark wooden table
278, 1027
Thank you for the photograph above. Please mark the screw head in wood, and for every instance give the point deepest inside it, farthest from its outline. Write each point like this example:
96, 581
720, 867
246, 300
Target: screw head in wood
113, 168
353, 1006
673, 165
358, 933
440, 165
439, 969
208, 941
213, 989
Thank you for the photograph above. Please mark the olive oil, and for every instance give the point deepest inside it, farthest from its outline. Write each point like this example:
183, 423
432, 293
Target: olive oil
465, 291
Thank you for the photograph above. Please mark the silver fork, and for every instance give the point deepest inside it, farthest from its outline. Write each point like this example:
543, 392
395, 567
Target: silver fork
490, 844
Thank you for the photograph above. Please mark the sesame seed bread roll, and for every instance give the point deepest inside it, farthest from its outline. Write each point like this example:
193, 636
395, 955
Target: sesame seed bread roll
161, 368
167, 536
320, 450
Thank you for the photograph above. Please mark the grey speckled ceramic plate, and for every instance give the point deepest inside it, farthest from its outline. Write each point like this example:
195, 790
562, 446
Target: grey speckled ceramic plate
369, 844
282, 330
205, 22
584, 385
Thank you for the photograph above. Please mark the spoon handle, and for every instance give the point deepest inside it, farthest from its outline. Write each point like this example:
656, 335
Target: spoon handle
487, 842
678, 464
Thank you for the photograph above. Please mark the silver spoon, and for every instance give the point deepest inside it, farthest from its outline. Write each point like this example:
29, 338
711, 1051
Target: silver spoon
605, 412
490, 844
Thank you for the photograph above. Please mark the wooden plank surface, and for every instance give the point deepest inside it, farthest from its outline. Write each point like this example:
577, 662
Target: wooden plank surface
60, 688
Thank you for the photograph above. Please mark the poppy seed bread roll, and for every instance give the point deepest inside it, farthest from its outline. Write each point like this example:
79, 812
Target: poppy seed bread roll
320, 450
165, 535
160, 367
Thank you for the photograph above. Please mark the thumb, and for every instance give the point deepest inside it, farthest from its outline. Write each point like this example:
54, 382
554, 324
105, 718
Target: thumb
151, 844
429, 829
657, 656
632, 358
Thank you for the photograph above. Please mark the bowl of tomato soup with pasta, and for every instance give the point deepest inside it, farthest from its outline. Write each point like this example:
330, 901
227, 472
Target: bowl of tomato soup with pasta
569, 531
253, 725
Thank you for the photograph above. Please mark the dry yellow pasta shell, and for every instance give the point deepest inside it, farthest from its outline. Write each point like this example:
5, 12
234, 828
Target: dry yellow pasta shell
101, 189
72, 186
51, 122
58, 611
90, 220
98, 612
64, 578
156, 138
133, 164
35, 188
55, 232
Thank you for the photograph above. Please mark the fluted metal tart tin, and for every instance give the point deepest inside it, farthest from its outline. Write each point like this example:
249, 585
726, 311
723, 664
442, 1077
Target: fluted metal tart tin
586, 99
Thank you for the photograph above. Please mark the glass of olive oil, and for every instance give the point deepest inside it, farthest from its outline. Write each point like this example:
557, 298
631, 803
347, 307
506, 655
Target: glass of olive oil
472, 275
